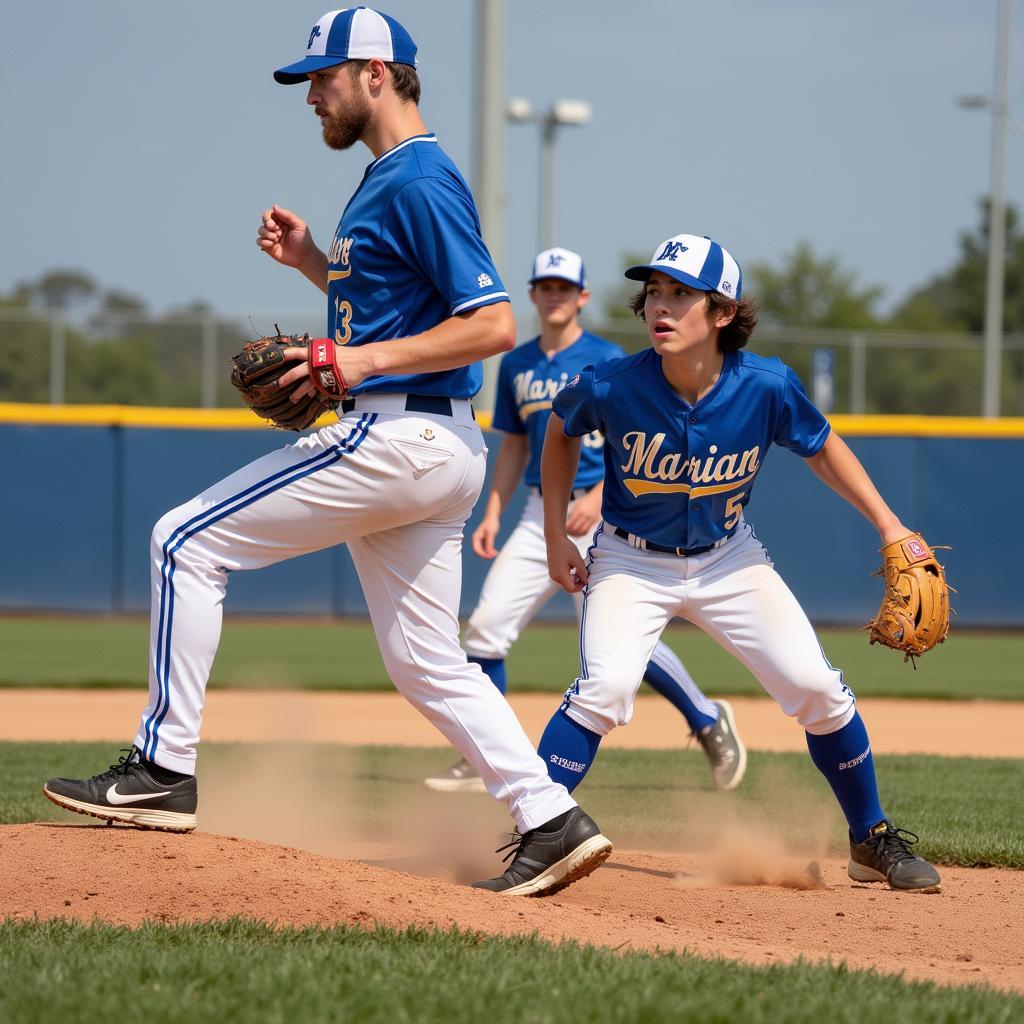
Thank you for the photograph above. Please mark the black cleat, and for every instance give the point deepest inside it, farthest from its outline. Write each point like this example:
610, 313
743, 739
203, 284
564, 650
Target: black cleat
885, 856
551, 856
127, 792
724, 749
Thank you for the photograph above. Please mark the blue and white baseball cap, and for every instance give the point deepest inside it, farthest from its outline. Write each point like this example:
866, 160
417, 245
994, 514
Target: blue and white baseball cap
696, 261
561, 263
354, 33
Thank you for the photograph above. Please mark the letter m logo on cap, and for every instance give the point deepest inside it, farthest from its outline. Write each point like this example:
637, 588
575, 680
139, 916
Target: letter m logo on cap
671, 251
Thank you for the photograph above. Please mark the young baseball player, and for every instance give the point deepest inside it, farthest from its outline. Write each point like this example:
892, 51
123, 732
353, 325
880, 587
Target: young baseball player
687, 424
413, 303
518, 584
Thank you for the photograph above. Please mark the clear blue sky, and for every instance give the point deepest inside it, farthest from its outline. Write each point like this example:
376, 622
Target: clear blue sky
142, 140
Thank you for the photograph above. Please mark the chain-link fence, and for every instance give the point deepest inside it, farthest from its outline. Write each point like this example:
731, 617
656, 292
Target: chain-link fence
183, 360
880, 371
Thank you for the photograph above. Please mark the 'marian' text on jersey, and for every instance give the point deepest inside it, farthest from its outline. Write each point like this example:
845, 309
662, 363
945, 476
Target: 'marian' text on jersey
648, 461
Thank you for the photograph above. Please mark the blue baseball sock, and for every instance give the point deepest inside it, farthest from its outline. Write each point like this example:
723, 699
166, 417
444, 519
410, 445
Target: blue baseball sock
567, 749
676, 695
844, 758
494, 669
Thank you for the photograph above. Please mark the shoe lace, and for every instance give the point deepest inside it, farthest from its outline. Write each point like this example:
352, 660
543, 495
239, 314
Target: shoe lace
516, 839
124, 762
894, 844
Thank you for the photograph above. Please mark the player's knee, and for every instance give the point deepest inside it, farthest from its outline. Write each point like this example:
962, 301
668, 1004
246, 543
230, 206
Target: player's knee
599, 718
824, 705
169, 534
486, 636
606, 701
163, 531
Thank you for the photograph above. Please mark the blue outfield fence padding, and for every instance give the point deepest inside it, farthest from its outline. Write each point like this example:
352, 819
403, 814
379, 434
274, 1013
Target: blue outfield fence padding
80, 495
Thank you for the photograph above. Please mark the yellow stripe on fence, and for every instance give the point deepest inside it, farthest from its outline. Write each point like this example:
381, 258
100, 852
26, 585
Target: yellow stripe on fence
243, 419
146, 416
927, 426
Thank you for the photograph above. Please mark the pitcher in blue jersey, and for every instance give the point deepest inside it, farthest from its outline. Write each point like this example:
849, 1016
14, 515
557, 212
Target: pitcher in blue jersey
413, 304
518, 584
687, 424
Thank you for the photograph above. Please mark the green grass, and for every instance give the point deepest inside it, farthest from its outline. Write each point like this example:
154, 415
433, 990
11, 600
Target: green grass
247, 971
965, 810
343, 656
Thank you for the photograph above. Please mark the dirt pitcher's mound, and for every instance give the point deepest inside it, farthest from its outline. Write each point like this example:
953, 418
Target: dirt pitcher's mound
969, 933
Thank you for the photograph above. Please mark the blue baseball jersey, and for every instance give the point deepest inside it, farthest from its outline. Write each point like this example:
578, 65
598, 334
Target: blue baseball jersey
407, 255
528, 381
677, 474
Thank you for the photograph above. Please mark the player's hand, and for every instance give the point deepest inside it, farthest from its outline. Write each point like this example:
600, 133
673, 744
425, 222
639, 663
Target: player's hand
584, 514
483, 537
285, 237
566, 566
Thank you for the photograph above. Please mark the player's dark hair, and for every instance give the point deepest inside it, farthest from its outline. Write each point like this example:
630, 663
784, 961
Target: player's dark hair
735, 334
404, 79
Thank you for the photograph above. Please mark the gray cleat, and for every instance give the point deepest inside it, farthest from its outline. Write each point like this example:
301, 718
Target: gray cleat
724, 749
885, 856
460, 778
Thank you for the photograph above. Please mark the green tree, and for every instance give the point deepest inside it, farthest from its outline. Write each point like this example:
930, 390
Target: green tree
58, 289
24, 352
955, 300
809, 290
620, 325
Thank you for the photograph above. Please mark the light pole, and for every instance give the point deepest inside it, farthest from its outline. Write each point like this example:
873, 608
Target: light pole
994, 283
488, 148
562, 112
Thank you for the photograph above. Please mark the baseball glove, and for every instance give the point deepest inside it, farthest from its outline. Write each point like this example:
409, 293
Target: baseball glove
914, 616
256, 371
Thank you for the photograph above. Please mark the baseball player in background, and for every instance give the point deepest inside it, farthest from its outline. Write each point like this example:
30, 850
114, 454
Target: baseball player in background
518, 584
413, 303
687, 424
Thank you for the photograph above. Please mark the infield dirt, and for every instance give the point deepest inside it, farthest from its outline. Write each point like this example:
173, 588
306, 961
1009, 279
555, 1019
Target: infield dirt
968, 934
731, 890
946, 728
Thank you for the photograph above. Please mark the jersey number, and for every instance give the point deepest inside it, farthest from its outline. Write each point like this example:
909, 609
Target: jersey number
342, 327
733, 510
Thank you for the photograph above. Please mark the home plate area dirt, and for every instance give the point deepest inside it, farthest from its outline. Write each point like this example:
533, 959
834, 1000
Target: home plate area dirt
760, 909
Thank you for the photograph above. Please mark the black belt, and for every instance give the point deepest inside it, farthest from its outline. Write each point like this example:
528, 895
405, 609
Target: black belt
649, 545
438, 405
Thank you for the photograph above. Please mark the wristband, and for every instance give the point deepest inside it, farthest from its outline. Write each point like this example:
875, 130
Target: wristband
324, 371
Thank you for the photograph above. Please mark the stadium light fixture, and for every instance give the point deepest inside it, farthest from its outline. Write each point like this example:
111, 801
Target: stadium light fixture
563, 112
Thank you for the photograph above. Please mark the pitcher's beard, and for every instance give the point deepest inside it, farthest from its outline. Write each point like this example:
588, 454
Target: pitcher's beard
345, 128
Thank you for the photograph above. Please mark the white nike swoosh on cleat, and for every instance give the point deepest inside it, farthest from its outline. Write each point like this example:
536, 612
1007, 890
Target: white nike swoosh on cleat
117, 799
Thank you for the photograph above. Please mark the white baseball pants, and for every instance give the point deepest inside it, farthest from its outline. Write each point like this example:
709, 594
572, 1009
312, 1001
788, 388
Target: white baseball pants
734, 594
518, 586
397, 487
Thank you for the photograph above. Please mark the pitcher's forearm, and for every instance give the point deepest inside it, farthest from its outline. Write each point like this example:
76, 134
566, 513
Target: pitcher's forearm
314, 269
837, 466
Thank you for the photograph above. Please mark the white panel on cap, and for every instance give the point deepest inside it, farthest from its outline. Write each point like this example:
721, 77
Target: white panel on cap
318, 43
567, 264
730, 273
370, 37
697, 253
689, 262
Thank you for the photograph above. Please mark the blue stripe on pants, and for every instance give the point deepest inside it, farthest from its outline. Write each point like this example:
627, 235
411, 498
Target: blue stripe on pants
197, 524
